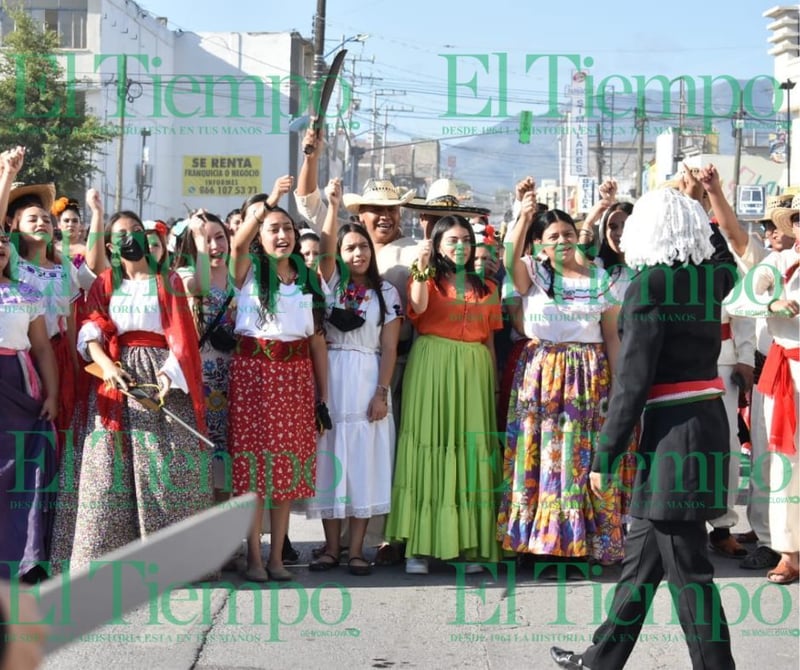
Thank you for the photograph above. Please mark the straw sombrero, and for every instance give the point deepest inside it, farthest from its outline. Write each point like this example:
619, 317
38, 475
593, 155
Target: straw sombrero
45, 192
782, 216
442, 199
377, 192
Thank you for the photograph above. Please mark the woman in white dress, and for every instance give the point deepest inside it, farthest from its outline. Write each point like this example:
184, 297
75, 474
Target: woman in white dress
354, 460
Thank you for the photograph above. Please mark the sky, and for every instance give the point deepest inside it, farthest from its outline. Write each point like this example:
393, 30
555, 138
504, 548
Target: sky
425, 53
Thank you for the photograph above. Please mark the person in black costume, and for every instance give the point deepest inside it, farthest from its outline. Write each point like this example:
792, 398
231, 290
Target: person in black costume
667, 368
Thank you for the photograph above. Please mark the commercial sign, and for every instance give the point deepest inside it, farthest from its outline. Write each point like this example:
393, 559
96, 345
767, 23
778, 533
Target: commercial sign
222, 175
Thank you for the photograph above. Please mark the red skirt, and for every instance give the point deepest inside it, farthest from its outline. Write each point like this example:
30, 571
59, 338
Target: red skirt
272, 426
62, 349
507, 382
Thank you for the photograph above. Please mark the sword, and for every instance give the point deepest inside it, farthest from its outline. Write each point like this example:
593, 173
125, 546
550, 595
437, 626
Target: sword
79, 601
149, 403
325, 97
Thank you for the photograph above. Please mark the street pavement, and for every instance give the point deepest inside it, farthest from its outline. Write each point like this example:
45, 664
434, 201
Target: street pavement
445, 619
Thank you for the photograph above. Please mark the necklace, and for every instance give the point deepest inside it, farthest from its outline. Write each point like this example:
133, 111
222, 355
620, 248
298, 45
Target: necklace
287, 279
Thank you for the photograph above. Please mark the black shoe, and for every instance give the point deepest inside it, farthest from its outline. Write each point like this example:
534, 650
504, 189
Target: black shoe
566, 659
762, 558
289, 555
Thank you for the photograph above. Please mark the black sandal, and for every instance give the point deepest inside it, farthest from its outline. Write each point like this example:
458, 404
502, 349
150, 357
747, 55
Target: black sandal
321, 565
359, 570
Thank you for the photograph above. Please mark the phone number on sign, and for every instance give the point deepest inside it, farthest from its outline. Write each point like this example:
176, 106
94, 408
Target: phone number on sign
225, 190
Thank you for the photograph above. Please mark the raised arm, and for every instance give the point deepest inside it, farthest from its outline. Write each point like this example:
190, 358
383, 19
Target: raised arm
515, 243
10, 162
199, 283
327, 244
95, 241
726, 217
307, 195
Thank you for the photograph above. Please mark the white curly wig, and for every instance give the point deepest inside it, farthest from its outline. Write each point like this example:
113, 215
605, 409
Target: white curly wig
666, 227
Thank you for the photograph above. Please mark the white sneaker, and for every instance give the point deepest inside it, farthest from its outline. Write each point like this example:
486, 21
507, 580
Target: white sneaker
416, 566
473, 568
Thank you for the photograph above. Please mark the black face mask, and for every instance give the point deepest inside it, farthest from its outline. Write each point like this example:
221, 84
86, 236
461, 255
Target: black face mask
133, 248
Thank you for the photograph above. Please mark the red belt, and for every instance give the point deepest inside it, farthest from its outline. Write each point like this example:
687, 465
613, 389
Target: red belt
143, 338
726, 331
776, 382
274, 350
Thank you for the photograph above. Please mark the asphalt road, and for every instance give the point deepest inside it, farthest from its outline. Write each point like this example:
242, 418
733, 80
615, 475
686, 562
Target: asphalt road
441, 620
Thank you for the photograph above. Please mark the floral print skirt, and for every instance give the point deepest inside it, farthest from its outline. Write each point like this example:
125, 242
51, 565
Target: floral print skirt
557, 407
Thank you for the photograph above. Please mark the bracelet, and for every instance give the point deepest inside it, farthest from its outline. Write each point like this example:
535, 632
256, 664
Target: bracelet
769, 304
421, 275
383, 390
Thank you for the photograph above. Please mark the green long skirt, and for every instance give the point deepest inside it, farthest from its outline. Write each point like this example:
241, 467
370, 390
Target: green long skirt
447, 469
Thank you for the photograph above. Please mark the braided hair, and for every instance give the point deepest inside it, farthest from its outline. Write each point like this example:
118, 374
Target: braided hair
540, 224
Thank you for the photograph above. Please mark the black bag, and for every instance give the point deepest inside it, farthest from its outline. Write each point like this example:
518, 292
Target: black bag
220, 338
345, 319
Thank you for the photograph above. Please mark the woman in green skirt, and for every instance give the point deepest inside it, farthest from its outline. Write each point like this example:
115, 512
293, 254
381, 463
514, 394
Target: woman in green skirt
447, 466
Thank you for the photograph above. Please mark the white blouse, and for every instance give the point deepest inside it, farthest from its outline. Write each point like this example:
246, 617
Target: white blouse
60, 287
367, 337
574, 314
292, 320
134, 306
20, 304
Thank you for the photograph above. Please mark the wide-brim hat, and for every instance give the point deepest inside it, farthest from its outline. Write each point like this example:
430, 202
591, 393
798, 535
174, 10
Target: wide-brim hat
45, 192
377, 192
442, 200
782, 218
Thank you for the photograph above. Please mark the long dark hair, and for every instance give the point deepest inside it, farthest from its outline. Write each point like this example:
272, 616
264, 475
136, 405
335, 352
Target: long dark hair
114, 259
19, 242
187, 258
606, 254
445, 266
374, 280
539, 225
266, 272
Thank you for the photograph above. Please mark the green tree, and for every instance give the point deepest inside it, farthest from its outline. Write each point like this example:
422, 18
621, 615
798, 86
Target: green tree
43, 112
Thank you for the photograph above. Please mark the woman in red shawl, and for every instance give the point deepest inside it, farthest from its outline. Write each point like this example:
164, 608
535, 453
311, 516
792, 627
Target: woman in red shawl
136, 472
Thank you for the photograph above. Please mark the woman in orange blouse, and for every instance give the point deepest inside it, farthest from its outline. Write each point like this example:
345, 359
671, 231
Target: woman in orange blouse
443, 496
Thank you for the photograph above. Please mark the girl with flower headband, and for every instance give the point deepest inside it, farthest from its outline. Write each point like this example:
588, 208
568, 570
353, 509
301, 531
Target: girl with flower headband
29, 388
68, 219
355, 459
443, 496
279, 360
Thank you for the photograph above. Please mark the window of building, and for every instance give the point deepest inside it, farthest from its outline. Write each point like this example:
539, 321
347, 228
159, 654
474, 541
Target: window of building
65, 17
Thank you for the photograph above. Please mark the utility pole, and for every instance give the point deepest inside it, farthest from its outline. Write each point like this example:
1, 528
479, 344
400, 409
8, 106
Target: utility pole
122, 98
374, 133
142, 172
386, 111
611, 144
738, 125
319, 42
640, 121
787, 86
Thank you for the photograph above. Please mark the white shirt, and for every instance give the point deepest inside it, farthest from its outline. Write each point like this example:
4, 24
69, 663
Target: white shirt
134, 306
741, 346
20, 304
763, 283
60, 287
574, 314
293, 318
312, 209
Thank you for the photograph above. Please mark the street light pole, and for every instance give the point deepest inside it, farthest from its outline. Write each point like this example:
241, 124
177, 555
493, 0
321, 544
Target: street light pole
787, 86
143, 170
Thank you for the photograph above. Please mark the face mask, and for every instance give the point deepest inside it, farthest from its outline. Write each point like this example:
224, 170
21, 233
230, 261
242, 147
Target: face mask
132, 249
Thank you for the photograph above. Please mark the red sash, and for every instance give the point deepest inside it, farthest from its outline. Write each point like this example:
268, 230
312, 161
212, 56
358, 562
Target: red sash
776, 382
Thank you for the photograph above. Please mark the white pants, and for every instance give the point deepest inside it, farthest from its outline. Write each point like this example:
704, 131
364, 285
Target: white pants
784, 503
731, 401
760, 457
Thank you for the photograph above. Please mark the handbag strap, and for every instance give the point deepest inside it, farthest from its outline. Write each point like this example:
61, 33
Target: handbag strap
216, 320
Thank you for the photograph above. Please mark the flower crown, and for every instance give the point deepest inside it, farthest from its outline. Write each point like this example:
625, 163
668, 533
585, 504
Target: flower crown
62, 203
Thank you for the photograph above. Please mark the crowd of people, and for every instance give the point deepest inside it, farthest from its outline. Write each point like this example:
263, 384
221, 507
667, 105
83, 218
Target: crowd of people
473, 396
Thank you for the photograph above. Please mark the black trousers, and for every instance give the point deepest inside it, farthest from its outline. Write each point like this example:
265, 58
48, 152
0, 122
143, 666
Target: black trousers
675, 551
